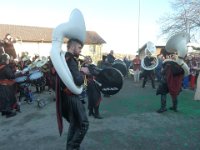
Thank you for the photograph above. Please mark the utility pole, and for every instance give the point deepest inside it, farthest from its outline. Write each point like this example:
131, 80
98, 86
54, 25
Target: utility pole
138, 25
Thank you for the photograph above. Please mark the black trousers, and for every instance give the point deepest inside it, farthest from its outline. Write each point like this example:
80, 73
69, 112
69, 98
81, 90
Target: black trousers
73, 111
148, 74
94, 97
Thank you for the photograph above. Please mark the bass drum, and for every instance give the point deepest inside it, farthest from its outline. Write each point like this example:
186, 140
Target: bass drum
109, 81
121, 66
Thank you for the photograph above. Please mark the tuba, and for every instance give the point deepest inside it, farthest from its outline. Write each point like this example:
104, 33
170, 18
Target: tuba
177, 45
149, 51
74, 28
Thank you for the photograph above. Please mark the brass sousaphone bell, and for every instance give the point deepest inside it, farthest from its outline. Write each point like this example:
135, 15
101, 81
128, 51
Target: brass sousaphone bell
74, 28
178, 44
150, 48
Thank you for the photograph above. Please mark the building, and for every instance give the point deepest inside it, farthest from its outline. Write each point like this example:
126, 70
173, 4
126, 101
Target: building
37, 40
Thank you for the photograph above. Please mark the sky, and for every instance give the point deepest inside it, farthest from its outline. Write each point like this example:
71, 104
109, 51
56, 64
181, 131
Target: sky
117, 21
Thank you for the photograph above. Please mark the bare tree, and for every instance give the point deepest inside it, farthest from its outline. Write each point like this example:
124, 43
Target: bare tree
185, 17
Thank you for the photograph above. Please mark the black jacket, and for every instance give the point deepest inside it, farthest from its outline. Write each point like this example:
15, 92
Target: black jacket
73, 67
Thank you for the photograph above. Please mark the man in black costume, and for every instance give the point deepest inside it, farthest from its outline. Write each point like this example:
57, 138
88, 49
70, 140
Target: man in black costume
171, 82
110, 58
7, 87
73, 109
148, 61
9, 46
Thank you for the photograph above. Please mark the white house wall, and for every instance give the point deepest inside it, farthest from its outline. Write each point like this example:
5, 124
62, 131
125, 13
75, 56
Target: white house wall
43, 49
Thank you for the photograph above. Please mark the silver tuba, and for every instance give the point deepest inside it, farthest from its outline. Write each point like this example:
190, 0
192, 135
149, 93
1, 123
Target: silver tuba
149, 52
177, 45
74, 28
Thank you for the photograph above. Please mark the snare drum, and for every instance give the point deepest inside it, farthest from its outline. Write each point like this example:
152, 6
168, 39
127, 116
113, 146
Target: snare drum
32, 71
37, 78
21, 79
36, 75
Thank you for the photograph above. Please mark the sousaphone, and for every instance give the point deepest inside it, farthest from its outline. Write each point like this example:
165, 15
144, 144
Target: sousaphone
150, 50
73, 29
177, 45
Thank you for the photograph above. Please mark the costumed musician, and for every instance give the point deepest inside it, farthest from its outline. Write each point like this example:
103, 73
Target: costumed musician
173, 71
50, 73
159, 67
70, 79
136, 68
192, 64
8, 46
110, 58
93, 91
148, 74
68, 102
43, 66
7, 43
72, 108
171, 81
8, 101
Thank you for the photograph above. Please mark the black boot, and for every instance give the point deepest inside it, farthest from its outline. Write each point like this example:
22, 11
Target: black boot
143, 84
153, 84
3, 113
174, 107
91, 113
70, 134
163, 104
10, 114
96, 113
78, 137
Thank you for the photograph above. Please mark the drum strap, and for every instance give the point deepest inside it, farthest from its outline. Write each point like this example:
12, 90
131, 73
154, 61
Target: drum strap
6, 82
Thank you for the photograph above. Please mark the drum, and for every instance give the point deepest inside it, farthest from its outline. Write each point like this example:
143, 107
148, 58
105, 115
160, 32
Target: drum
35, 75
33, 71
109, 81
121, 66
37, 78
21, 79
25, 70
